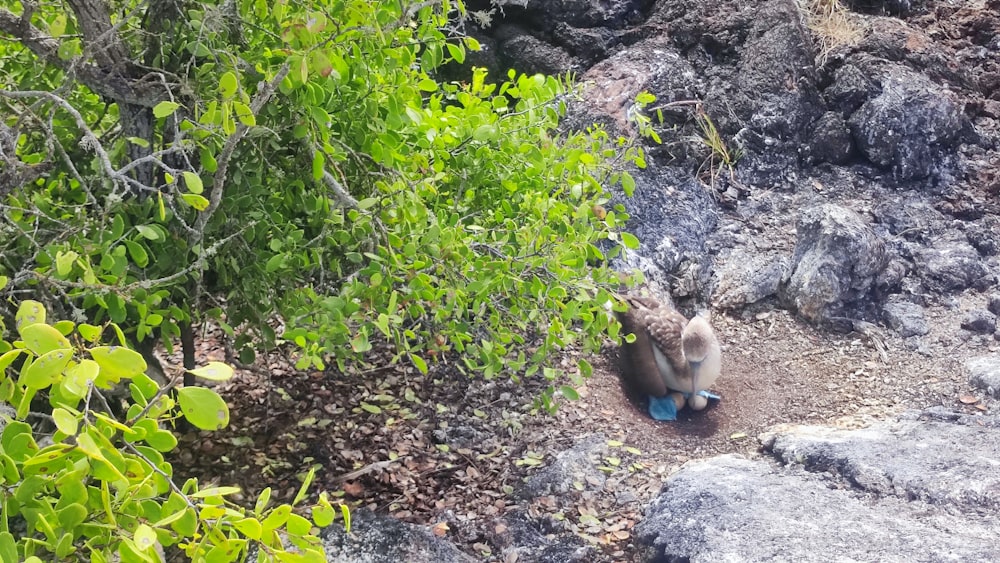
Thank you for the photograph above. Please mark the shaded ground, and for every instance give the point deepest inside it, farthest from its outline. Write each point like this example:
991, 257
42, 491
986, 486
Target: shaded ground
448, 451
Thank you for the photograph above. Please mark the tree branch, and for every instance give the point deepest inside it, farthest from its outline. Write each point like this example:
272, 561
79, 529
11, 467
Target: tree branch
266, 90
106, 82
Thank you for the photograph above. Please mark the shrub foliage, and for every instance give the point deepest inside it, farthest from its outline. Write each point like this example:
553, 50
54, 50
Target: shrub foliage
93, 485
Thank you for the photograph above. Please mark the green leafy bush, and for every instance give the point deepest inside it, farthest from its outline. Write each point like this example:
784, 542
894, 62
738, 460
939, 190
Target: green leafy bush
95, 486
302, 160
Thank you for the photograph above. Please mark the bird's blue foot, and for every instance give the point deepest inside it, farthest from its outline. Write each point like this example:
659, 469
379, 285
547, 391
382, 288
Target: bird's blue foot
662, 408
665, 409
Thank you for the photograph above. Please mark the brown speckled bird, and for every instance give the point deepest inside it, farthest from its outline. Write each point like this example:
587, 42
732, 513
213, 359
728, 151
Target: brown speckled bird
672, 358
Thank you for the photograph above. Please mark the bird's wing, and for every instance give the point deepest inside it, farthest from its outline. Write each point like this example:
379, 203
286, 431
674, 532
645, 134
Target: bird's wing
665, 327
641, 371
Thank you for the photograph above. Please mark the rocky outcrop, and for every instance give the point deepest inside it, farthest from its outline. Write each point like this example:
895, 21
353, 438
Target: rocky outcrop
884, 125
912, 490
836, 260
906, 317
376, 538
910, 127
984, 372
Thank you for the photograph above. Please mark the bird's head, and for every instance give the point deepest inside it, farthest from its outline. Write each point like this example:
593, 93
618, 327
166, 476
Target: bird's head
701, 351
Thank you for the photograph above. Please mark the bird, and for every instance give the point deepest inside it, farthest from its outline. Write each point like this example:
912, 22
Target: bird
672, 360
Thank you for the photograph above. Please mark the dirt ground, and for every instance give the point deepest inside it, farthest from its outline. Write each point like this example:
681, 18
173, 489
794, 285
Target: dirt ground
448, 451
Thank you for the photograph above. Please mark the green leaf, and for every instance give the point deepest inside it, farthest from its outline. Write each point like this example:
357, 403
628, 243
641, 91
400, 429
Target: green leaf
164, 109
346, 512
90, 333
214, 371
196, 201
456, 52
64, 327
569, 392
161, 440
29, 313
148, 232
85, 441
77, 377
297, 525
428, 85
484, 133
323, 513
46, 369
203, 408
8, 357
193, 182
317, 165
419, 363
630, 240
43, 338
305, 485
117, 362
244, 114
65, 261
8, 548
144, 537
72, 516
65, 421
215, 492
374, 409
275, 263
628, 184
249, 527
277, 517
228, 85
137, 253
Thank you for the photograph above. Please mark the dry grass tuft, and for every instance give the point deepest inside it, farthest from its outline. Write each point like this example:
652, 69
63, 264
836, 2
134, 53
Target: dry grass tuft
832, 24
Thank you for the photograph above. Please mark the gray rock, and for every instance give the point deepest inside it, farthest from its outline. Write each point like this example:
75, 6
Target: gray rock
894, 7
910, 127
578, 464
910, 218
745, 278
831, 140
732, 509
993, 305
984, 372
881, 7
836, 260
582, 13
851, 87
984, 234
951, 264
939, 463
525, 539
672, 215
980, 320
906, 318
375, 538
532, 54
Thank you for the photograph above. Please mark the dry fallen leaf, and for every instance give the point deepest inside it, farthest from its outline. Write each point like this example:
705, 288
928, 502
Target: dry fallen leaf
968, 399
354, 488
440, 529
